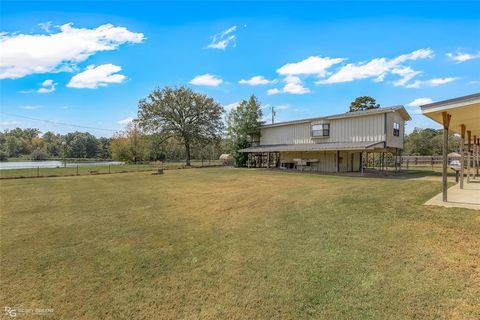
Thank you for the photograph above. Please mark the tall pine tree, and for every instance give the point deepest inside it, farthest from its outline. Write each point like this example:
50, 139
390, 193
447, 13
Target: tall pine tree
243, 127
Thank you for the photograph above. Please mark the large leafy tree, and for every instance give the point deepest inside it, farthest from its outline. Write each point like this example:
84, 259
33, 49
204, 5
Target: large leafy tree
428, 142
243, 126
363, 103
182, 113
52, 143
81, 145
130, 145
19, 141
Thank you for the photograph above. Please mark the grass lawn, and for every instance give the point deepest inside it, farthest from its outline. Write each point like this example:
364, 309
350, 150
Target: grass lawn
238, 244
86, 169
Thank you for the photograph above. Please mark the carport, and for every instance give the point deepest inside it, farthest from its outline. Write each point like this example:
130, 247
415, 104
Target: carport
462, 116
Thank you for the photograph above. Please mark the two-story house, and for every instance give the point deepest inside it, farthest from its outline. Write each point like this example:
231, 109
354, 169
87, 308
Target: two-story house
337, 143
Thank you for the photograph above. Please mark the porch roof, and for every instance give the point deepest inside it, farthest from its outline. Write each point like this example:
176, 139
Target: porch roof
464, 110
315, 147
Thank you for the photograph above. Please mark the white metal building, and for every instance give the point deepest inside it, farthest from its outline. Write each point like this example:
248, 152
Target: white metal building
337, 143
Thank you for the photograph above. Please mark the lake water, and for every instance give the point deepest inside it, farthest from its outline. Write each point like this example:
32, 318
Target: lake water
4, 165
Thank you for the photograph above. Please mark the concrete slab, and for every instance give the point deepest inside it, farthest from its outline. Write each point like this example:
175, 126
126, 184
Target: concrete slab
468, 197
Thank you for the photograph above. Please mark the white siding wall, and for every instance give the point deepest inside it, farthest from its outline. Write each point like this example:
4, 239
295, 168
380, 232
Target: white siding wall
289, 134
393, 141
356, 129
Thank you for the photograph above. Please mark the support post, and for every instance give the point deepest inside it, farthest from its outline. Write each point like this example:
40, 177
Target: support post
361, 161
475, 157
469, 150
478, 155
268, 160
446, 123
338, 161
462, 154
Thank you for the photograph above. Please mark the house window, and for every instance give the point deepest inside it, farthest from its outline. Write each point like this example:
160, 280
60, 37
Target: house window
321, 130
396, 129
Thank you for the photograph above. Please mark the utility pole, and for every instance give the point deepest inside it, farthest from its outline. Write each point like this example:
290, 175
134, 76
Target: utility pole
273, 114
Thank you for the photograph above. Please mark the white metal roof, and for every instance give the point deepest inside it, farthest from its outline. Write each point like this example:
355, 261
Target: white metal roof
333, 146
401, 109
464, 110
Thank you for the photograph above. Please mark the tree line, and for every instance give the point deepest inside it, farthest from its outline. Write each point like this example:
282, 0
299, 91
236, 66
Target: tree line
176, 124
429, 142
172, 124
30, 143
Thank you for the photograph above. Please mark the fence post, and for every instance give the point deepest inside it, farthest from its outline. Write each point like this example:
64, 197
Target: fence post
38, 171
109, 169
77, 169
432, 163
407, 163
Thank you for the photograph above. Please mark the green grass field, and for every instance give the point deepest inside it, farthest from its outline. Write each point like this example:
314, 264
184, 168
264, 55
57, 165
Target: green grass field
237, 244
103, 169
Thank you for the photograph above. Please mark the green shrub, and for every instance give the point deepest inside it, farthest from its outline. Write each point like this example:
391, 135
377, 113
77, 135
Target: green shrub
39, 155
3, 156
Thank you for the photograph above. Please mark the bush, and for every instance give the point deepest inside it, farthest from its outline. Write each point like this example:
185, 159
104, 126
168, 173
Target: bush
39, 155
3, 156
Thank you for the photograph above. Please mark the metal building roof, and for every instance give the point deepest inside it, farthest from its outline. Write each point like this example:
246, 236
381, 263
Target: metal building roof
333, 146
398, 108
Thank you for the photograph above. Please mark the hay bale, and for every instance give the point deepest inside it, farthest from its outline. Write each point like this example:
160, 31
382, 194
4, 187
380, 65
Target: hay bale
226, 159
157, 171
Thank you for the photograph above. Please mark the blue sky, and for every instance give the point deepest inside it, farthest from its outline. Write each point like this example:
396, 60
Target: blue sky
88, 63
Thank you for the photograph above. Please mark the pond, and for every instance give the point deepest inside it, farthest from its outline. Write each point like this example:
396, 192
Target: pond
4, 165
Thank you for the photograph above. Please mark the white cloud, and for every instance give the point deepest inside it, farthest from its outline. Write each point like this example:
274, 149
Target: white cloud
431, 82
474, 82
9, 123
311, 65
94, 77
460, 57
255, 81
406, 74
223, 39
273, 91
26, 91
379, 68
414, 55
281, 107
231, 106
47, 86
45, 26
206, 80
125, 121
420, 102
294, 85
24, 54
30, 107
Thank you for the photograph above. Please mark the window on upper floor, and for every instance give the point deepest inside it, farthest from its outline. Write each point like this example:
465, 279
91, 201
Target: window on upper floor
321, 130
396, 129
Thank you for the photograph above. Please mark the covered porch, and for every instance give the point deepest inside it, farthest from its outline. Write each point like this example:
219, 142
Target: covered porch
325, 157
461, 116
